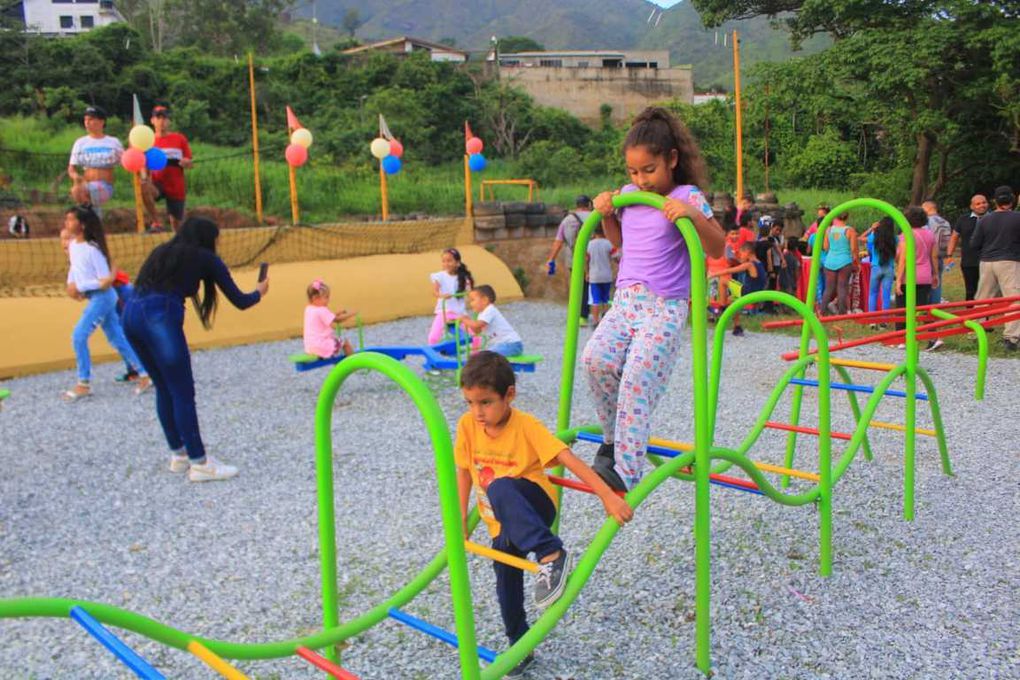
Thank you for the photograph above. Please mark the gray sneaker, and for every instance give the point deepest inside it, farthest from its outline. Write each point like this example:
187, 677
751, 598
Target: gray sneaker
552, 579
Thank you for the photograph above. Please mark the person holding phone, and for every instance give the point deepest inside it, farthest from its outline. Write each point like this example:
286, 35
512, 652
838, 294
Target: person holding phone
154, 324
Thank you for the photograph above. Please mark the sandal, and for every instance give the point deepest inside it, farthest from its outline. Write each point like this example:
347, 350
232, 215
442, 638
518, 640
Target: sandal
79, 391
144, 385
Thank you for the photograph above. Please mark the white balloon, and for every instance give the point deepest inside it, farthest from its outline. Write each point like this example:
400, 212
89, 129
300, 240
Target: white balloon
380, 148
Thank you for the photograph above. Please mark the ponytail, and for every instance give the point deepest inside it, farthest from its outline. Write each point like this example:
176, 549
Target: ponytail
661, 132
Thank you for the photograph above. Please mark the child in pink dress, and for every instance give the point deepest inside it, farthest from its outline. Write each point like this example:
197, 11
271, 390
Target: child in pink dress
320, 339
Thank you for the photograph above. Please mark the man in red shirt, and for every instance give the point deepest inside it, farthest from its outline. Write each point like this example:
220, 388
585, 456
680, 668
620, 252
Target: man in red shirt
168, 183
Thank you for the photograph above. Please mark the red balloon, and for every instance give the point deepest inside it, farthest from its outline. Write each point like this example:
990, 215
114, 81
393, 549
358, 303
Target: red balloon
133, 160
396, 148
296, 154
474, 145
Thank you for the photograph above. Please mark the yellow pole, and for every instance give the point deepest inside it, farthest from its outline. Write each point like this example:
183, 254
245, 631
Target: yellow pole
295, 215
215, 662
739, 131
255, 139
382, 191
500, 556
136, 180
468, 207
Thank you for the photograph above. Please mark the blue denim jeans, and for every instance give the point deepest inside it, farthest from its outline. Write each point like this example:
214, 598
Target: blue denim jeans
936, 291
882, 278
100, 310
507, 349
525, 513
154, 323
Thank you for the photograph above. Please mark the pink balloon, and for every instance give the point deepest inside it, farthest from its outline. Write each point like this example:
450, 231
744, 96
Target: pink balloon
133, 160
396, 148
296, 154
474, 145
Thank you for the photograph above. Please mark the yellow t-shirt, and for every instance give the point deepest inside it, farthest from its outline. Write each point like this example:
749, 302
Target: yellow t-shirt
521, 450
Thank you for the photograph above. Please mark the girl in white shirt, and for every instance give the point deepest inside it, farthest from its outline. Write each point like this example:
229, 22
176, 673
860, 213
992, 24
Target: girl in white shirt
448, 287
90, 279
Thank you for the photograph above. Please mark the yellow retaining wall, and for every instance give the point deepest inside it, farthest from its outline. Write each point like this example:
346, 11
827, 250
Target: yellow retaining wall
35, 332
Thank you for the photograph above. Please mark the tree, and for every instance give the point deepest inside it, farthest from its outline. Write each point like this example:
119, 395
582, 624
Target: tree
352, 21
938, 76
229, 27
519, 43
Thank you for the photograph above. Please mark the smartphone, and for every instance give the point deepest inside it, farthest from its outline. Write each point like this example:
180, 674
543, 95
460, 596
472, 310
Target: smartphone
263, 271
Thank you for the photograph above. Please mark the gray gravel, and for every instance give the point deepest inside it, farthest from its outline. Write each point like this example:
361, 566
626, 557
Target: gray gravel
89, 511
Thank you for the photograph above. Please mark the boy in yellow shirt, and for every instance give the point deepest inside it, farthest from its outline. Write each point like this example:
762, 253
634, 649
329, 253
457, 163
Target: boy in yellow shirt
501, 453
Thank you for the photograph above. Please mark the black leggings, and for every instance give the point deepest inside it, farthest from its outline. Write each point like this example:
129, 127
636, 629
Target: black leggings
837, 285
923, 298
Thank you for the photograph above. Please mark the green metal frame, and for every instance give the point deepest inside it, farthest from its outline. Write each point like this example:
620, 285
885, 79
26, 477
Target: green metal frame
693, 466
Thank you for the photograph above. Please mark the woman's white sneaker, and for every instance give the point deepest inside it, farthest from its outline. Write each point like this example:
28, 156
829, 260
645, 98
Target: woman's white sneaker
210, 471
179, 462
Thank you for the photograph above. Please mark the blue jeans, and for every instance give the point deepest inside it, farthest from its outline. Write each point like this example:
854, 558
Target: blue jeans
507, 349
881, 277
525, 513
100, 310
936, 291
154, 323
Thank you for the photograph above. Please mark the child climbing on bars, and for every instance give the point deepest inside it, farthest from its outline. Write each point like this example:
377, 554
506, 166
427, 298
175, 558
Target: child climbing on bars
631, 355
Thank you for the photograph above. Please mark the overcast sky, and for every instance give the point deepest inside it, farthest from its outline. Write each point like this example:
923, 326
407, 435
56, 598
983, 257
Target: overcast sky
666, 3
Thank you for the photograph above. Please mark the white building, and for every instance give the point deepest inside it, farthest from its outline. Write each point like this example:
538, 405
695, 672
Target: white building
406, 45
68, 17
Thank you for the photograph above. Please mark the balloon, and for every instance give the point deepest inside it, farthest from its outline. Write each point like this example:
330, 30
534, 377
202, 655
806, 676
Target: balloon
133, 160
155, 158
396, 148
380, 147
476, 161
474, 146
296, 154
391, 165
301, 137
141, 137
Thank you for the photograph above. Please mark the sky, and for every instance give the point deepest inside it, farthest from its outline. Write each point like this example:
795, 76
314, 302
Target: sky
666, 3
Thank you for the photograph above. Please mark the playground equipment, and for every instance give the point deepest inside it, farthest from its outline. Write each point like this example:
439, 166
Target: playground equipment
490, 183
3, 395
690, 462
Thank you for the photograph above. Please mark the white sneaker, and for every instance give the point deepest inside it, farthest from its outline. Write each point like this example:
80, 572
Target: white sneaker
934, 345
210, 471
179, 462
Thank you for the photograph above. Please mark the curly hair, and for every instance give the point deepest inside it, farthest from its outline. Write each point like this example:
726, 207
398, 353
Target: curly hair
660, 131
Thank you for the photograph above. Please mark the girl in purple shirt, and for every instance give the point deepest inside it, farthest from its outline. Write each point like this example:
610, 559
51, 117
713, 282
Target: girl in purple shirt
632, 352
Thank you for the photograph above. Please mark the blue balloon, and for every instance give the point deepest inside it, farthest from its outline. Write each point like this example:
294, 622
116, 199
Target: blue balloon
155, 158
476, 162
391, 165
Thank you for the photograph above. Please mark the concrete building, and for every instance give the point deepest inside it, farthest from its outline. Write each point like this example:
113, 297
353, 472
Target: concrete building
68, 17
406, 45
581, 81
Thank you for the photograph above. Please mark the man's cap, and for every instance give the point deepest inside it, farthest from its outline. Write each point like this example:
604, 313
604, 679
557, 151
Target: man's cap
583, 200
95, 112
160, 111
823, 206
1004, 195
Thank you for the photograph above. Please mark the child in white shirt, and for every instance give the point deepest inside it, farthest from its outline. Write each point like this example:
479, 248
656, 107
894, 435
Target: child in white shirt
503, 339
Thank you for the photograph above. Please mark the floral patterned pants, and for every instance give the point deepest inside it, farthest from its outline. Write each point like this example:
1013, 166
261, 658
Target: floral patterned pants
629, 360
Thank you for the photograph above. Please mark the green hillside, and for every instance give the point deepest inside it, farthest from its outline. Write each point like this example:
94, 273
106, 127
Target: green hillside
571, 24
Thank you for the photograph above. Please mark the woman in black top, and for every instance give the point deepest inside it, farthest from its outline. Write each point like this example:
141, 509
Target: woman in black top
154, 323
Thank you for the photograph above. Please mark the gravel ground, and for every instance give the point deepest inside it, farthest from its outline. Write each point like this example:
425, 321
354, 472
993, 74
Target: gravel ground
90, 511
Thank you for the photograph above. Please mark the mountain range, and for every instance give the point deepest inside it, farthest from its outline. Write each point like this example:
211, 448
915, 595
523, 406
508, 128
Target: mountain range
572, 24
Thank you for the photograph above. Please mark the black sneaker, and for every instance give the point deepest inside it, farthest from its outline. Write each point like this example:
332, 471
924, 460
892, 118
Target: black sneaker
738, 331
607, 471
130, 376
551, 579
606, 452
521, 669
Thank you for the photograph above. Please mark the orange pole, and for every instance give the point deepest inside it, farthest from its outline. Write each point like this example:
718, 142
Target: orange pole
468, 207
295, 215
382, 191
255, 139
739, 130
139, 211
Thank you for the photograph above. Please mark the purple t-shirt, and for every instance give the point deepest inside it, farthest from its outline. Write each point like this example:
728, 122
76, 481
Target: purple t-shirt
654, 252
